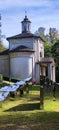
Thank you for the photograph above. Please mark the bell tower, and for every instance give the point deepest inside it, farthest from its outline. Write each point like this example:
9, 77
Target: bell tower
26, 25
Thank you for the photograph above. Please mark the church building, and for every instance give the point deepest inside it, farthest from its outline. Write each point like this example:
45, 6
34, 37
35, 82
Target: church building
25, 56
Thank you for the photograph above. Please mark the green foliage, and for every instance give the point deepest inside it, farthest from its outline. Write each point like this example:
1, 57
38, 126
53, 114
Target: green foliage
42, 80
55, 54
47, 49
12, 79
55, 51
53, 33
15, 79
51, 37
2, 48
1, 78
41, 32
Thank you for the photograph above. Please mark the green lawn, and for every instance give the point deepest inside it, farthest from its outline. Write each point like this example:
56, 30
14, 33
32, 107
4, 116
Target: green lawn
23, 113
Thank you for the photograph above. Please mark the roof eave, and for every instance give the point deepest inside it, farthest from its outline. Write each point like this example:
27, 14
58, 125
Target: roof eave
24, 36
22, 51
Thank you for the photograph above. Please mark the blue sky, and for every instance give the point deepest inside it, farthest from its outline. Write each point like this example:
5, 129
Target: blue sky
41, 13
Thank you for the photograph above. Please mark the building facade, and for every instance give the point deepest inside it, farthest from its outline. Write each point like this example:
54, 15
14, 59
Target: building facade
25, 56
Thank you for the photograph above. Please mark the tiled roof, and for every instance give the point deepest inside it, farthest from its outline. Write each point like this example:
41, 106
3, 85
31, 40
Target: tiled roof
24, 35
46, 60
17, 49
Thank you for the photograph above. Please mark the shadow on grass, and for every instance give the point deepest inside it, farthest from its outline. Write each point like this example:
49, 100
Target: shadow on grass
35, 121
25, 107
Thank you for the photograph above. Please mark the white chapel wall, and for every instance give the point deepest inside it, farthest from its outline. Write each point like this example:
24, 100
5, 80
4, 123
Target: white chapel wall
28, 42
22, 65
38, 47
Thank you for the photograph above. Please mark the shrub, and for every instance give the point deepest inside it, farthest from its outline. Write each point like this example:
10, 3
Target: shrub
1, 78
11, 79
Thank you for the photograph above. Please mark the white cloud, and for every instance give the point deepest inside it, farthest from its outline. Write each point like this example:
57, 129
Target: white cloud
24, 3
40, 12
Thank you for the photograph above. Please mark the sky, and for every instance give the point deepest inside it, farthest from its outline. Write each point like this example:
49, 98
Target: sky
42, 13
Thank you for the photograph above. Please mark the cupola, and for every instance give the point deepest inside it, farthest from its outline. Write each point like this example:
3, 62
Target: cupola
26, 25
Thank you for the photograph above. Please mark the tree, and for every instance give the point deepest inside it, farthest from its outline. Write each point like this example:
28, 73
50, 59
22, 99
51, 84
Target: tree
2, 48
47, 38
41, 32
53, 34
55, 54
47, 49
51, 37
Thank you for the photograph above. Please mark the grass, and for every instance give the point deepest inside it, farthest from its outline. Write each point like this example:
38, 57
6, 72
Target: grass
23, 113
